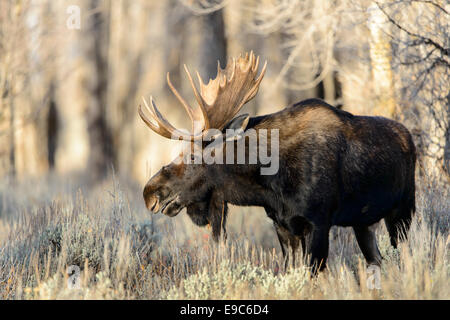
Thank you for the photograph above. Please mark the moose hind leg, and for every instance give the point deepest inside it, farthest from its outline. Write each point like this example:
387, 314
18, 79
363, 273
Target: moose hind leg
398, 221
367, 242
397, 224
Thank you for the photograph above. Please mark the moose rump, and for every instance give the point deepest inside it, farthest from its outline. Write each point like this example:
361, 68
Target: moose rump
376, 172
342, 170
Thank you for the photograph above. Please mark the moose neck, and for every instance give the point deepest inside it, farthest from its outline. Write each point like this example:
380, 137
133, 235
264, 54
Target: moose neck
243, 185
239, 182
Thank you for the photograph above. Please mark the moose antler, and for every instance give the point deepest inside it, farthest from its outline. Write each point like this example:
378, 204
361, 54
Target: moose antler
219, 101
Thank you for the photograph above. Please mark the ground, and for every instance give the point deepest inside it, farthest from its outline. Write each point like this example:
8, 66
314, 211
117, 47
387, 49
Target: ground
62, 240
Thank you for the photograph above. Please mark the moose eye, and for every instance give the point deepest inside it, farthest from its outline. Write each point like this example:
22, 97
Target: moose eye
165, 169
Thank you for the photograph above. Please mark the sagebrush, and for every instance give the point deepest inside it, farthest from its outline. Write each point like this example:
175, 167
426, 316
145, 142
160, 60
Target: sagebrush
123, 252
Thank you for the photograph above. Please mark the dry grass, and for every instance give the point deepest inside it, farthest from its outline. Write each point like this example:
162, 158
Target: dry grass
124, 253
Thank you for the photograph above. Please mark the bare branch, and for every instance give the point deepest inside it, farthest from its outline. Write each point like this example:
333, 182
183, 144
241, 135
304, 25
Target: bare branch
427, 41
202, 7
437, 5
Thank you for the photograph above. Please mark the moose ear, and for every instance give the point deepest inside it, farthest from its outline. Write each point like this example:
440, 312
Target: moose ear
235, 128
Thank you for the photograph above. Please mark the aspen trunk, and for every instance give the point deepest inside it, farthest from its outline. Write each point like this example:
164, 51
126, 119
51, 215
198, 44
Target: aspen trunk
101, 154
381, 56
21, 111
72, 149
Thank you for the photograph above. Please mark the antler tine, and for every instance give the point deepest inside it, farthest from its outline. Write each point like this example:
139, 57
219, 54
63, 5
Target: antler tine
219, 69
224, 96
199, 100
234, 69
162, 127
255, 88
144, 118
231, 65
186, 106
219, 101
200, 80
256, 65
151, 122
250, 61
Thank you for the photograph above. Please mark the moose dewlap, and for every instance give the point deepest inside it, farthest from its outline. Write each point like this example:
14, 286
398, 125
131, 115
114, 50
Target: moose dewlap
333, 168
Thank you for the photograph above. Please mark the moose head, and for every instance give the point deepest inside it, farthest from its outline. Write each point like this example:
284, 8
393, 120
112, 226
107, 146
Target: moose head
188, 181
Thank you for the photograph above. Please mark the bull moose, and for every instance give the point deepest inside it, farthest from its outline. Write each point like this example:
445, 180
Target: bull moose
334, 168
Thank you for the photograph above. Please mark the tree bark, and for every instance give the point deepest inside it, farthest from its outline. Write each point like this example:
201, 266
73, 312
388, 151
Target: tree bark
214, 44
101, 154
381, 56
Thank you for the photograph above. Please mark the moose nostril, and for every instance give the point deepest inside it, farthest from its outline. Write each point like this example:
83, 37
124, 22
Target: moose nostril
150, 203
154, 205
150, 200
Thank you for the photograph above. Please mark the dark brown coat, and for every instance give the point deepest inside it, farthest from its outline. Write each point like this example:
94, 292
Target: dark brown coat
334, 169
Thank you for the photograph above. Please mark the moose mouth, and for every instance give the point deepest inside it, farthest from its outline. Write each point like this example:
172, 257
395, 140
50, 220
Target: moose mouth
169, 208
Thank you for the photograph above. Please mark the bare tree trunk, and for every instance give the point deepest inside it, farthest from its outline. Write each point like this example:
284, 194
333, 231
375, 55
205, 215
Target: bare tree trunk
447, 150
20, 56
72, 74
381, 56
101, 155
12, 142
176, 15
292, 74
52, 127
127, 69
214, 44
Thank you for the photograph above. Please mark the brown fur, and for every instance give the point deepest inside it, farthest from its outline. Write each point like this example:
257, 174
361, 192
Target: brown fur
334, 169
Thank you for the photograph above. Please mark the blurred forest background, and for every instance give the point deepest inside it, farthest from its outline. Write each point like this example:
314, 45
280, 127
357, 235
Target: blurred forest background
69, 93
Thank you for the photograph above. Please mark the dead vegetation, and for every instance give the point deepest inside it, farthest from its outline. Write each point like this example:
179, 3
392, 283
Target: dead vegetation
123, 253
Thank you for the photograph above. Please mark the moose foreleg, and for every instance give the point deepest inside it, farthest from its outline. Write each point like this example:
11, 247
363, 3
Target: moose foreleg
289, 244
318, 249
284, 244
217, 216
